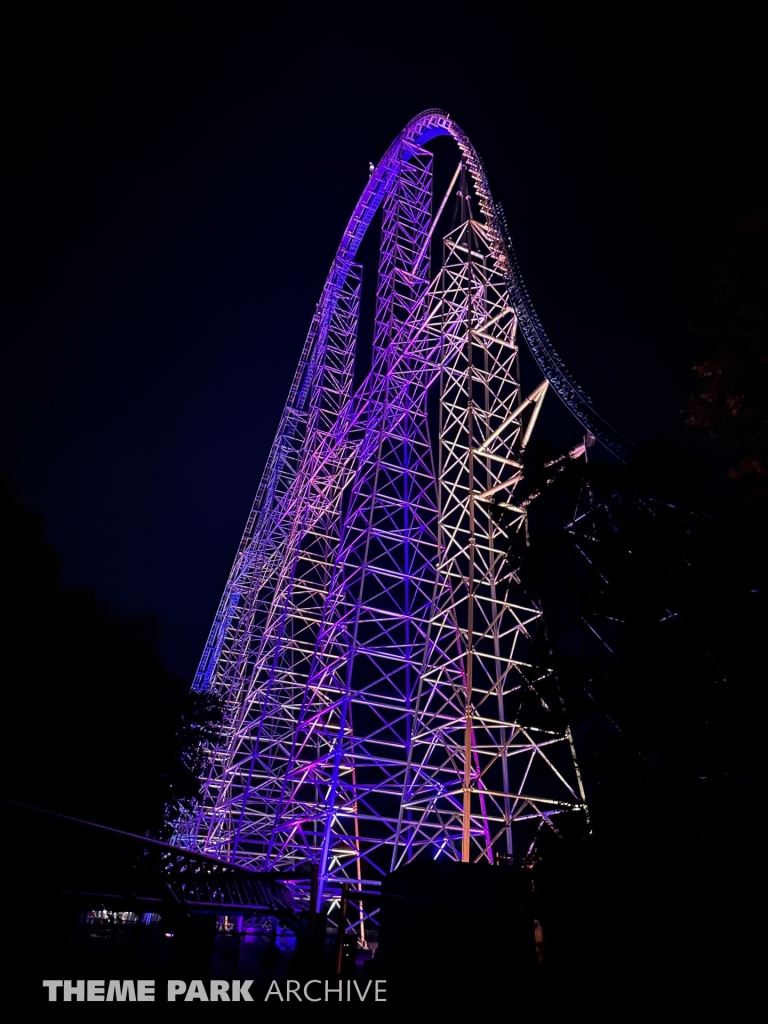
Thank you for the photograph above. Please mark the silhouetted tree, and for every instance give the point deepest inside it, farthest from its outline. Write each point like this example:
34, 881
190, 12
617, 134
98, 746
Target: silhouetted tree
198, 731
95, 724
731, 395
654, 598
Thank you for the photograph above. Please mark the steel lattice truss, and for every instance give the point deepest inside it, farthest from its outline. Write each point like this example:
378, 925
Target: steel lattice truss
377, 657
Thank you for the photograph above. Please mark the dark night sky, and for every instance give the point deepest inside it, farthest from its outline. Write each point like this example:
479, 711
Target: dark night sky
177, 178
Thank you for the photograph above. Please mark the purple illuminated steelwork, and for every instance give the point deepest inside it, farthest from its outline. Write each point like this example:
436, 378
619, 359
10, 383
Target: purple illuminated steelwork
376, 654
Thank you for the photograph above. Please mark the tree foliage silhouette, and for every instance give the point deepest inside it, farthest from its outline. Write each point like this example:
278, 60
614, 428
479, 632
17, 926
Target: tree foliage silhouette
730, 399
96, 724
654, 598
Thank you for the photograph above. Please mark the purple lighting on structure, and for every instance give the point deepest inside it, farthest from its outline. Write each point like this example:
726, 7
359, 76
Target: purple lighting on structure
375, 654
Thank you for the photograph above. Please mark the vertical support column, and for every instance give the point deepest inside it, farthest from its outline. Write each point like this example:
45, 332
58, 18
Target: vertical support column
358, 706
466, 829
488, 752
468, 649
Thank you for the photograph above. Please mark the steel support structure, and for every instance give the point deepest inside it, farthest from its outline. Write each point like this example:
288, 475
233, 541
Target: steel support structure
376, 655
